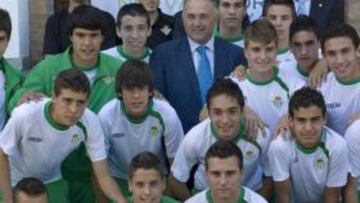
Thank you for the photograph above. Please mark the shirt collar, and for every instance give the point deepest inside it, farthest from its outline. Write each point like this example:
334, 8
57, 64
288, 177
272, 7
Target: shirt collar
194, 45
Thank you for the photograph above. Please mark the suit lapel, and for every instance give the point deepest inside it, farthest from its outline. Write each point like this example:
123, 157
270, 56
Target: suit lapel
219, 59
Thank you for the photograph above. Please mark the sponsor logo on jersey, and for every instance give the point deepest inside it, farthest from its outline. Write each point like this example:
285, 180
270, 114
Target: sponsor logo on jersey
35, 139
154, 131
118, 135
320, 163
333, 105
77, 138
278, 101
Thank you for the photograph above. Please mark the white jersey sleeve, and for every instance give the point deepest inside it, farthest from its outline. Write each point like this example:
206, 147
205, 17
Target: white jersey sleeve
105, 114
95, 144
353, 141
279, 157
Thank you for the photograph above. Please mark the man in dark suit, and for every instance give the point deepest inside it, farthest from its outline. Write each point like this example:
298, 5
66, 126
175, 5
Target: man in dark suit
178, 65
323, 12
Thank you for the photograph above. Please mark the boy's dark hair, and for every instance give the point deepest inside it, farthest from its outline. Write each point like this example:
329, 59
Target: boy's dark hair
304, 98
303, 23
132, 9
261, 31
288, 3
32, 187
214, 2
5, 22
340, 30
223, 149
72, 79
147, 161
218, 3
225, 86
134, 73
86, 17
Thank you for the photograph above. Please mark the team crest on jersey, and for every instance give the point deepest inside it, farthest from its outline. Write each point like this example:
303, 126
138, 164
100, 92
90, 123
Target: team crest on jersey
154, 131
107, 80
250, 155
278, 101
320, 163
76, 138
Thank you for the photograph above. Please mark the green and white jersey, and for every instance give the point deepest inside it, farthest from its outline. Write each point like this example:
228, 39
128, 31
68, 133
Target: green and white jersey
246, 195
342, 100
310, 170
164, 199
298, 72
238, 41
353, 141
285, 59
198, 140
158, 131
2, 99
269, 99
119, 53
36, 145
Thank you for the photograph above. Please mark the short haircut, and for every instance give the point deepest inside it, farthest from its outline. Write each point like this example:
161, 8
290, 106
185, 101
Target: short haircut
245, 3
303, 23
145, 160
86, 17
214, 2
340, 30
261, 31
288, 3
134, 73
71, 79
223, 149
225, 86
5, 22
132, 9
32, 187
304, 98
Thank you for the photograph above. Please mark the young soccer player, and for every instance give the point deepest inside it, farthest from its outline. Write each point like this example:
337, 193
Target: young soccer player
225, 103
313, 166
40, 135
232, 21
10, 78
146, 179
267, 88
224, 173
133, 27
86, 34
137, 122
304, 44
30, 190
281, 13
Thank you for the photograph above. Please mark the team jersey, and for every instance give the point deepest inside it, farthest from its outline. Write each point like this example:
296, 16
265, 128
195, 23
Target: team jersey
297, 72
353, 141
246, 195
269, 99
254, 9
285, 59
164, 199
238, 41
199, 139
36, 145
119, 53
310, 170
2, 99
159, 131
342, 100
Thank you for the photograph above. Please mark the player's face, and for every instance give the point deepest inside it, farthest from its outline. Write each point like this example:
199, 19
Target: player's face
150, 5
68, 107
232, 12
225, 114
147, 186
86, 46
280, 16
307, 124
261, 58
342, 57
136, 100
134, 31
305, 47
224, 178
4, 41
199, 18
21, 197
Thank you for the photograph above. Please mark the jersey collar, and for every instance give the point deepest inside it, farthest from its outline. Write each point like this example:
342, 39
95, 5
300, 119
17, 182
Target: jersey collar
133, 119
241, 199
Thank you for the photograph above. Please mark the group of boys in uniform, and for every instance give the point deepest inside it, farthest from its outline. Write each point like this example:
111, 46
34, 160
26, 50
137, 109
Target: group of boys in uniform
135, 148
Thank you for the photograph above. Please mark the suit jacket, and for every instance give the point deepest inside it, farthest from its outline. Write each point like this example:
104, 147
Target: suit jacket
175, 76
327, 12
